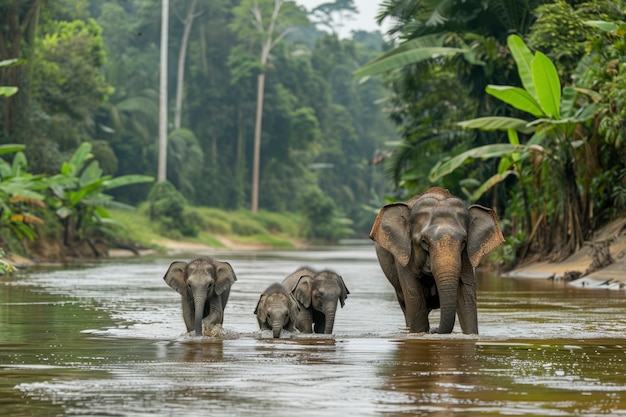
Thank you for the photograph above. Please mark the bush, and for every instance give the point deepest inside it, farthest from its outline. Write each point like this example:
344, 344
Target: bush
245, 226
284, 223
167, 206
165, 201
322, 220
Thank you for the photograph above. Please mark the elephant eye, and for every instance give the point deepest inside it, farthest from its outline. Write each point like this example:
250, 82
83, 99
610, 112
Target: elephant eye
425, 244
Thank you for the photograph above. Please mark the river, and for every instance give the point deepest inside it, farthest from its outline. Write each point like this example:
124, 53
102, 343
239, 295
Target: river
107, 339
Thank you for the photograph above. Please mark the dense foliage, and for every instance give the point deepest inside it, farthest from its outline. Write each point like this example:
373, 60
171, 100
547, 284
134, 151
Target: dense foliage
552, 153
91, 71
86, 71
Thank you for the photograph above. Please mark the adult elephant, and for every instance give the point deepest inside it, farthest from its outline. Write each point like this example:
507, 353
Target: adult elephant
204, 285
428, 248
317, 293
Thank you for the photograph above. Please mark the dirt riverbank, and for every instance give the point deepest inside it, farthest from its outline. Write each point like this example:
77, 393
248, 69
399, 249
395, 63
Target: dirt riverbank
611, 239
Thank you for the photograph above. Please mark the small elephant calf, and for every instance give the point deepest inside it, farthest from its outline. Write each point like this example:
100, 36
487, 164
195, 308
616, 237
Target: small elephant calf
204, 285
317, 293
276, 310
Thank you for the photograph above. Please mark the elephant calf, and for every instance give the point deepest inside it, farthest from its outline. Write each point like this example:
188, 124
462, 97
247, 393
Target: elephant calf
317, 294
277, 309
204, 285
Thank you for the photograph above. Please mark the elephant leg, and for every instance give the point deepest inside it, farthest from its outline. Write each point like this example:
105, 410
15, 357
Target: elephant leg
388, 265
416, 312
304, 321
319, 322
467, 310
188, 313
216, 312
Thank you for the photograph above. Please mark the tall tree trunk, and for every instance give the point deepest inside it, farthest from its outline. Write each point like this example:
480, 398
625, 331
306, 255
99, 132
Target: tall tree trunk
162, 168
180, 80
256, 159
240, 161
269, 42
19, 24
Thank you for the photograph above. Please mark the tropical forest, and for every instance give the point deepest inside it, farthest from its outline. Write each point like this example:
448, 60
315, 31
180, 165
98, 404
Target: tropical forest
257, 118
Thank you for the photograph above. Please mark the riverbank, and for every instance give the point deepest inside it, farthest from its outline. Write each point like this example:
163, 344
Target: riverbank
174, 247
574, 268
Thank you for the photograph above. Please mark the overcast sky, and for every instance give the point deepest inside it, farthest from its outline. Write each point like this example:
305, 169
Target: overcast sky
365, 20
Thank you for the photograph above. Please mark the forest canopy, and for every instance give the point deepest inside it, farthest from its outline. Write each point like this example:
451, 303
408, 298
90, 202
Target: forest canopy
90, 73
451, 96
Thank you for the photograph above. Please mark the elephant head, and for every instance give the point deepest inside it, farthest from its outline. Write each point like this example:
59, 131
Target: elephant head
320, 293
277, 309
436, 235
204, 285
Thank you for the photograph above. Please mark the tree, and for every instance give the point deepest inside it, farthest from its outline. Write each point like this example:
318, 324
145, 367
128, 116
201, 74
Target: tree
67, 88
162, 170
450, 50
264, 21
182, 53
17, 38
333, 14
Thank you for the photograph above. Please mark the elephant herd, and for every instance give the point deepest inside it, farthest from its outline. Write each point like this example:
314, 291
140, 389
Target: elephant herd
306, 300
427, 247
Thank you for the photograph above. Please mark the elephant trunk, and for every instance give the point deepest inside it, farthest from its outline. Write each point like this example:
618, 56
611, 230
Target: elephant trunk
199, 302
446, 269
329, 315
276, 329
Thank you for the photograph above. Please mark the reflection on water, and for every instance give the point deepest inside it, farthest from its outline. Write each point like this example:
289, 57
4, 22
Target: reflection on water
108, 339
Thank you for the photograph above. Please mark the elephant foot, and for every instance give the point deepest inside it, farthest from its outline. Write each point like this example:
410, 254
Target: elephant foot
213, 330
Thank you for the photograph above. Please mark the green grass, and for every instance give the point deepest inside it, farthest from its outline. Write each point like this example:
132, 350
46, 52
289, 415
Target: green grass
136, 226
277, 230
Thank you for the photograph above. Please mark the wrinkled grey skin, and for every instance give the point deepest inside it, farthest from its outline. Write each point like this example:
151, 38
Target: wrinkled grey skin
277, 309
204, 285
428, 248
317, 294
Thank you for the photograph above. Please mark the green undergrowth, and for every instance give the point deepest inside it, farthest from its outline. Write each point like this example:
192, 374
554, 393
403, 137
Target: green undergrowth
277, 230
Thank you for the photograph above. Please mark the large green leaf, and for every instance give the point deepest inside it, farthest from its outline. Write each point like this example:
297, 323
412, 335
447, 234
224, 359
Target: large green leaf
547, 84
11, 148
7, 91
126, 180
92, 173
497, 123
77, 196
568, 100
494, 180
81, 155
587, 112
394, 59
516, 97
602, 25
12, 62
483, 152
523, 58
19, 187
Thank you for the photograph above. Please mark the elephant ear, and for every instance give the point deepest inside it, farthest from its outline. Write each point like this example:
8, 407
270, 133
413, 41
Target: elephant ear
344, 291
260, 311
302, 290
483, 233
175, 277
225, 277
294, 308
392, 232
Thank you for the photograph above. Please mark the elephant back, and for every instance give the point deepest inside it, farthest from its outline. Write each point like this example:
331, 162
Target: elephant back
291, 281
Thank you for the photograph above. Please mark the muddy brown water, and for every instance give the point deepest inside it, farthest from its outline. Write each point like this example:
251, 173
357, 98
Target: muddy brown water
107, 339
